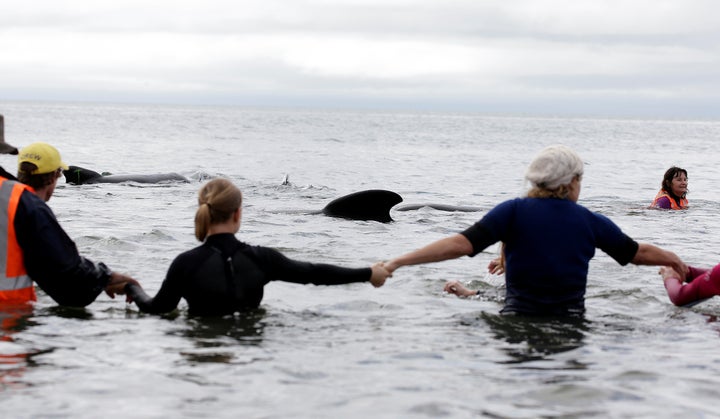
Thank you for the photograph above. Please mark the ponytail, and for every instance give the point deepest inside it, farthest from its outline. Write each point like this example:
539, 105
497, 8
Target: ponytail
217, 201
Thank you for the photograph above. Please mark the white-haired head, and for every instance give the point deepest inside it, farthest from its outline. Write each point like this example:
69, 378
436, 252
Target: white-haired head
553, 167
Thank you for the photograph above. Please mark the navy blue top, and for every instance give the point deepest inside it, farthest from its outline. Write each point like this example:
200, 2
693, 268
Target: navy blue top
51, 258
225, 275
548, 246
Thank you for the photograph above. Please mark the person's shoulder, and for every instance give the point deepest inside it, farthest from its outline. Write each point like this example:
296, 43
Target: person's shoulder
513, 202
596, 216
30, 202
188, 254
7, 175
259, 250
266, 257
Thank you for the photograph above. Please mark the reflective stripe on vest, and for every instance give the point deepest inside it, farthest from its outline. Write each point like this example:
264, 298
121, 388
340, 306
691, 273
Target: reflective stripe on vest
15, 284
673, 205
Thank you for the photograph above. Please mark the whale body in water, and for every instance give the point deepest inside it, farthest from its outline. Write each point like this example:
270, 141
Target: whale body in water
77, 175
375, 205
365, 205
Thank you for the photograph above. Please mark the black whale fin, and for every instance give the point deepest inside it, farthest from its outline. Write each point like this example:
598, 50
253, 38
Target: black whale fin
368, 205
77, 175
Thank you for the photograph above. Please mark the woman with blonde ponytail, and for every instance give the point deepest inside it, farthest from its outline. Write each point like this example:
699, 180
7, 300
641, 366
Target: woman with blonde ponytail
224, 275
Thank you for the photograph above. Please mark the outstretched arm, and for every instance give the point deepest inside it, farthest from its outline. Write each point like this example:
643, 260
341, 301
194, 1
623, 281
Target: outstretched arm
448, 248
647, 254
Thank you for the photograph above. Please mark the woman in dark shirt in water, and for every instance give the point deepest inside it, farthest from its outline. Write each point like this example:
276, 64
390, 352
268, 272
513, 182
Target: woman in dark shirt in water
224, 275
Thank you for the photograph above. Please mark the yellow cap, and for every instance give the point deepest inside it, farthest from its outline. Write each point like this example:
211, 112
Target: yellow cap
42, 155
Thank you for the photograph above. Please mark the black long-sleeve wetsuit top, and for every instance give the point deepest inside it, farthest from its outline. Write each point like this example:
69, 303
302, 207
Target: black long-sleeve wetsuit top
225, 275
51, 258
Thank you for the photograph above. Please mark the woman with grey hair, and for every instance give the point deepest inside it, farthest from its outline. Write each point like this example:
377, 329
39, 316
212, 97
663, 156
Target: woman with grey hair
548, 240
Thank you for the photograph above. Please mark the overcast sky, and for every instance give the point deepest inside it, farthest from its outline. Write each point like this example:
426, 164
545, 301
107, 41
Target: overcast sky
609, 57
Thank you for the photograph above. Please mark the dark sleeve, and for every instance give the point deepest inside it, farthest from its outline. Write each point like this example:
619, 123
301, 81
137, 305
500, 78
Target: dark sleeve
167, 297
51, 257
625, 251
663, 202
281, 268
479, 236
488, 230
611, 240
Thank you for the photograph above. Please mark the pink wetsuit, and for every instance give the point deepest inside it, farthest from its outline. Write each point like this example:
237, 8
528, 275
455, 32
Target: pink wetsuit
702, 284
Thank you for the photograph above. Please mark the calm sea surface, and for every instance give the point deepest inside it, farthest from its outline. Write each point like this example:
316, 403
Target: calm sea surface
404, 350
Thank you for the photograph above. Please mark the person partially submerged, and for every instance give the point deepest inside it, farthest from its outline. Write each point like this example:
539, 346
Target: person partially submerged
696, 286
36, 250
673, 190
224, 275
549, 240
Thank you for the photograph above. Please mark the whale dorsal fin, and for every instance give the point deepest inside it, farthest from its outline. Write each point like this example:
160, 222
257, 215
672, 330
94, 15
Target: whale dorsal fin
372, 204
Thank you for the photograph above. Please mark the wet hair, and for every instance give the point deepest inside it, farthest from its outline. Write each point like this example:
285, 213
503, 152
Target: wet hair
217, 201
24, 175
671, 174
561, 192
552, 171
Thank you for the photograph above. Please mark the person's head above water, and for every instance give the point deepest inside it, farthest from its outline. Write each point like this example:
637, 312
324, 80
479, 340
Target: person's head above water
45, 157
40, 165
553, 171
675, 182
218, 200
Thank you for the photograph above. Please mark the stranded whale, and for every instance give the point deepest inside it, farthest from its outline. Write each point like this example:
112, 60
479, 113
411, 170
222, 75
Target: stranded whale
366, 205
375, 205
77, 175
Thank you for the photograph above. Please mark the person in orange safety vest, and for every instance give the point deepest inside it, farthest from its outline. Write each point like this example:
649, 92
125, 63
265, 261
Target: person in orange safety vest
34, 249
673, 191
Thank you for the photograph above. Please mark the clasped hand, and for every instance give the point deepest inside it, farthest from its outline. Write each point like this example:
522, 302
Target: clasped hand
117, 284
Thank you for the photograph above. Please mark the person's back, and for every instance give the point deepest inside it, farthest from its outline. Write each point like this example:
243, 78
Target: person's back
548, 246
220, 277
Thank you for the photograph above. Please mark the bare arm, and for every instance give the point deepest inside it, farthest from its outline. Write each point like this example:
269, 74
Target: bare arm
448, 248
457, 288
648, 254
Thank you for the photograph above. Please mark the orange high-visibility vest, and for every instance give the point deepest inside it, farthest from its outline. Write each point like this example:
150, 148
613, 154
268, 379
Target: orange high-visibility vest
673, 204
15, 284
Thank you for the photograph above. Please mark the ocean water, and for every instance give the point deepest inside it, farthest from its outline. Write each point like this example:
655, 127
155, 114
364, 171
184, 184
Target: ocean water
404, 350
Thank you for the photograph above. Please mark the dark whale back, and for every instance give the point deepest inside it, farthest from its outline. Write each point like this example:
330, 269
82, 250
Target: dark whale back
77, 175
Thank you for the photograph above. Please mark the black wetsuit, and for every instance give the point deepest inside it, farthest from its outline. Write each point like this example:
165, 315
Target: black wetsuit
51, 258
224, 276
